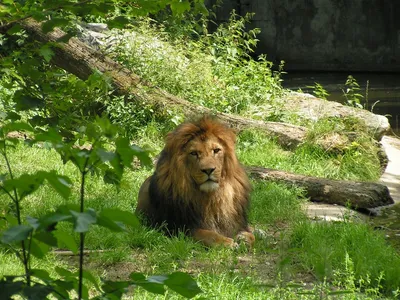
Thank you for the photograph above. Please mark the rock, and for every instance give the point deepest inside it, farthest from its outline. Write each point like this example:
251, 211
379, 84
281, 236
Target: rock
313, 108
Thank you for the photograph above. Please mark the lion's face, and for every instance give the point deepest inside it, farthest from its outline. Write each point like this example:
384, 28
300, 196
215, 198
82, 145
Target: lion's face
205, 160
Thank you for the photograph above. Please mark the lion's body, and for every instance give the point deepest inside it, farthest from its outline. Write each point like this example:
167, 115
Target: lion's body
199, 186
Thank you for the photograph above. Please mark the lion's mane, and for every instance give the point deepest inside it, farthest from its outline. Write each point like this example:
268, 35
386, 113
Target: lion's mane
175, 200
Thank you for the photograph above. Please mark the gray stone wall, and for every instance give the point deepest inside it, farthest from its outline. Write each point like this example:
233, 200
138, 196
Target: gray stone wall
331, 35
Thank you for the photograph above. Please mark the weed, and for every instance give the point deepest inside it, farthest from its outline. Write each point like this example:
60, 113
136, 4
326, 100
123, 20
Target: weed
355, 248
352, 92
319, 91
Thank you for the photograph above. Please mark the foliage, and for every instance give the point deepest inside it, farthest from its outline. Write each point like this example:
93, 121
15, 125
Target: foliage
215, 69
327, 247
357, 160
319, 91
90, 152
220, 273
352, 92
47, 205
43, 95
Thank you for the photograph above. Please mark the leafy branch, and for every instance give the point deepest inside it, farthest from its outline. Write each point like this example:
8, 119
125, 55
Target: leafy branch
98, 148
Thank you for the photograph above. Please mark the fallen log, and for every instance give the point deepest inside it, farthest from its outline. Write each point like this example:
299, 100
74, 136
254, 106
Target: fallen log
81, 60
357, 195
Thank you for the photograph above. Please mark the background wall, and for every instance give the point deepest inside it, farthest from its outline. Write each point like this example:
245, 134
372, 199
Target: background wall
325, 35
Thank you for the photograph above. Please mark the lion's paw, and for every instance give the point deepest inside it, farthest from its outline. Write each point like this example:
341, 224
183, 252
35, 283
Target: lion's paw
245, 237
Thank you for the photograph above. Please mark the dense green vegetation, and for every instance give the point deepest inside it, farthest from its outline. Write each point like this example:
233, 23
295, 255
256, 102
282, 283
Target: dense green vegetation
49, 122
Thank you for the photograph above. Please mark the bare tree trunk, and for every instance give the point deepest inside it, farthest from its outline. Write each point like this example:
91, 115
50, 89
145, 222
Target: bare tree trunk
358, 195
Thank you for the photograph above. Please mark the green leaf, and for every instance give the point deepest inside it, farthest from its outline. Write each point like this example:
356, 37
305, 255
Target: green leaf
15, 29
150, 284
38, 249
46, 52
64, 272
17, 126
127, 152
111, 177
46, 237
54, 218
104, 155
38, 291
51, 135
183, 284
82, 221
33, 222
116, 288
65, 38
41, 274
122, 216
89, 276
118, 22
155, 288
51, 24
13, 116
62, 184
107, 223
25, 185
142, 154
179, 7
67, 240
62, 289
8, 287
26, 102
16, 233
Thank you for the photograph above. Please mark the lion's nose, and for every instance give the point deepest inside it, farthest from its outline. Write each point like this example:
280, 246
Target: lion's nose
208, 171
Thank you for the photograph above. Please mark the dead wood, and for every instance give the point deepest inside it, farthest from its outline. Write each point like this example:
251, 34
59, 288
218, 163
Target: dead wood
81, 60
358, 195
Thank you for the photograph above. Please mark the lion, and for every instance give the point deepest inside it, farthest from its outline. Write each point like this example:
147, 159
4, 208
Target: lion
198, 186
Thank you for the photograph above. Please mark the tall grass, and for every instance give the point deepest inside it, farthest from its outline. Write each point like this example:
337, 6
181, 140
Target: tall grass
358, 161
300, 247
325, 248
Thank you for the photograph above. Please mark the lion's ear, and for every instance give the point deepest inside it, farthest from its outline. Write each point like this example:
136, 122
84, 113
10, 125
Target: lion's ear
177, 139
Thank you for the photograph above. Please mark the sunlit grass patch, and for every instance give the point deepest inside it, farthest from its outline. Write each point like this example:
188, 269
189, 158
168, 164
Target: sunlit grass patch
357, 162
323, 248
291, 247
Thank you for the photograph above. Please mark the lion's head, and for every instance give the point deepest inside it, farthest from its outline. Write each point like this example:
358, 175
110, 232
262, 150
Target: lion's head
198, 181
199, 156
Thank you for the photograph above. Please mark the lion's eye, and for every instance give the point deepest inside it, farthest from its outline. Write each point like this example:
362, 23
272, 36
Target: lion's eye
216, 150
194, 153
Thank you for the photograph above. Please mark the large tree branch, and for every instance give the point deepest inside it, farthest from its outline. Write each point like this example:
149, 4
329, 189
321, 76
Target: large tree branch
359, 195
81, 60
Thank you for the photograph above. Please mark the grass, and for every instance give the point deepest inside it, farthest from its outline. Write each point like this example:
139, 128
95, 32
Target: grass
325, 248
290, 248
293, 258
357, 162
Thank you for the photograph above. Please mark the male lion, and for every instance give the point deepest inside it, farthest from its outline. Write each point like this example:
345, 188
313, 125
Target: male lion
199, 186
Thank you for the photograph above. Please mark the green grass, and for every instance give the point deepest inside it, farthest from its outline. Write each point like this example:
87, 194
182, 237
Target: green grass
291, 249
322, 249
359, 162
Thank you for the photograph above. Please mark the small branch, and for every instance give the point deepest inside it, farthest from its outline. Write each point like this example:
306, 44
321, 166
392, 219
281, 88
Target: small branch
82, 235
85, 252
25, 256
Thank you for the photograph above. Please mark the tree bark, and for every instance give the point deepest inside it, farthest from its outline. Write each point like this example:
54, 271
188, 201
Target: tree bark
358, 195
81, 60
